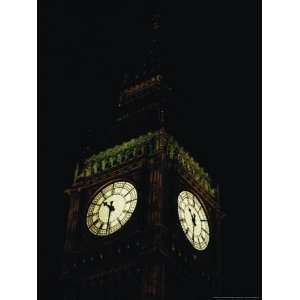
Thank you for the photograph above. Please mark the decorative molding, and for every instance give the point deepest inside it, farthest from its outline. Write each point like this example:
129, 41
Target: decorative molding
146, 146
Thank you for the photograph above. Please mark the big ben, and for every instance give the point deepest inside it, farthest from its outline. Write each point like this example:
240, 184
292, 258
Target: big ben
144, 217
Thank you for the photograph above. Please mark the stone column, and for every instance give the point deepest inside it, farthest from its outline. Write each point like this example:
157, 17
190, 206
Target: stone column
154, 273
154, 282
156, 180
72, 221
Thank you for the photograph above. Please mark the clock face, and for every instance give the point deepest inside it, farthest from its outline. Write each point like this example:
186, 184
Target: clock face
193, 220
111, 208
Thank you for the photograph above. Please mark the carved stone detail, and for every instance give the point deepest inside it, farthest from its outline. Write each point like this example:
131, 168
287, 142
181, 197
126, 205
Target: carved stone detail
147, 146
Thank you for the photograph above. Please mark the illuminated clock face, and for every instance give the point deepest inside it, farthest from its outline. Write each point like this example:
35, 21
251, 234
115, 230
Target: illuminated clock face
111, 208
193, 220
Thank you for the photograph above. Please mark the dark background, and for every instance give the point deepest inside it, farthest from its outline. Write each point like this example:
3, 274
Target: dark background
214, 48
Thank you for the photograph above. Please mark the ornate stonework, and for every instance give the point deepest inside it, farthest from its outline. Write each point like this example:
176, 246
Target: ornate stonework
146, 146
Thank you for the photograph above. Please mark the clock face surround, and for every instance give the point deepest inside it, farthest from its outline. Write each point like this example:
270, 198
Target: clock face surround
193, 220
111, 208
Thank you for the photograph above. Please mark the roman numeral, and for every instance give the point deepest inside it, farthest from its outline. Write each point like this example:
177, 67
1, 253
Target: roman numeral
204, 240
113, 189
93, 214
128, 192
205, 231
108, 228
103, 195
130, 201
94, 223
119, 221
101, 225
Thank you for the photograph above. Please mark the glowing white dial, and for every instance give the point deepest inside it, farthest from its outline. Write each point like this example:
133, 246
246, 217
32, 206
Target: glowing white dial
111, 208
193, 220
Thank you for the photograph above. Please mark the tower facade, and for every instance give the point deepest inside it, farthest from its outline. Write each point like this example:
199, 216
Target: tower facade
144, 218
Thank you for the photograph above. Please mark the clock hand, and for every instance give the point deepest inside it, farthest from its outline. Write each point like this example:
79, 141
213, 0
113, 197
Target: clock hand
110, 208
193, 216
108, 224
193, 232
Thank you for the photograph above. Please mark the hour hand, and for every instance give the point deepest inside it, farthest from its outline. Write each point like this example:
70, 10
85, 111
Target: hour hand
105, 204
110, 206
193, 216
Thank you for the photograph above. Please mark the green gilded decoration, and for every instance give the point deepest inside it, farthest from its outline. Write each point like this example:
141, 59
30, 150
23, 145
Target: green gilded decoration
118, 155
146, 146
177, 153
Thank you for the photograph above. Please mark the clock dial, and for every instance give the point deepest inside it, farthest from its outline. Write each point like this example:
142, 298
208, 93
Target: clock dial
111, 208
193, 220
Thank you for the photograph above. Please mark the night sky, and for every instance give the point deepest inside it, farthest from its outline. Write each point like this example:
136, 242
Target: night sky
213, 46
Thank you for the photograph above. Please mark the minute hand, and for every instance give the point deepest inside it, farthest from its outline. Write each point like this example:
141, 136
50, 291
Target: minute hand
110, 208
193, 216
108, 224
193, 231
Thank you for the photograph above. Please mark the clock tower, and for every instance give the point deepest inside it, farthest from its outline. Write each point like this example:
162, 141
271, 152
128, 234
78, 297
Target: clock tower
144, 216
